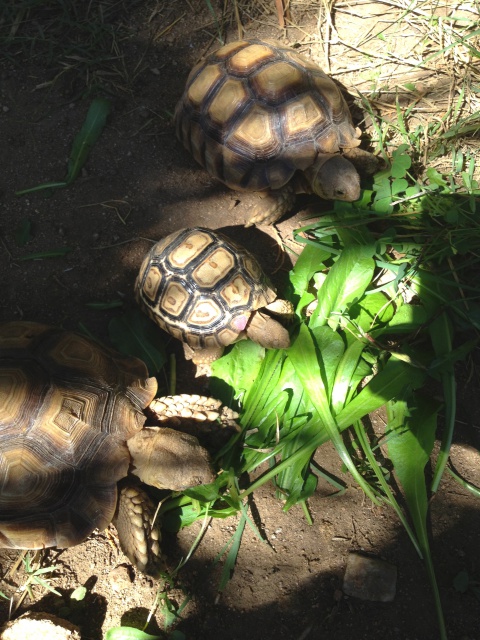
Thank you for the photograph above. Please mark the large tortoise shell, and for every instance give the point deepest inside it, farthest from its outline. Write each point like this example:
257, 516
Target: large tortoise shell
67, 406
254, 112
201, 287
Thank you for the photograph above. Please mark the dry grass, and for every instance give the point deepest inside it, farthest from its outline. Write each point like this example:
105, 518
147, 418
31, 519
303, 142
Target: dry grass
417, 64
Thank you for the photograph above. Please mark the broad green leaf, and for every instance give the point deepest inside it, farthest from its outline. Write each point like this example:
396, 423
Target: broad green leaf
389, 383
401, 162
307, 489
266, 382
408, 319
203, 493
234, 373
134, 334
399, 185
309, 262
174, 519
308, 369
345, 373
299, 425
330, 344
435, 177
382, 202
78, 594
371, 311
346, 283
411, 438
129, 633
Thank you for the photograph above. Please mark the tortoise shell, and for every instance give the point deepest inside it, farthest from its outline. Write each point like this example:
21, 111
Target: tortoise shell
67, 407
201, 287
253, 113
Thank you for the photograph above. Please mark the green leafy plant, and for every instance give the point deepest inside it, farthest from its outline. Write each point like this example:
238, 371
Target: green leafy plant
378, 308
36, 575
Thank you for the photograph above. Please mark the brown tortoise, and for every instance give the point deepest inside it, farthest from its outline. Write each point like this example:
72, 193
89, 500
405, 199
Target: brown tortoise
209, 292
72, 417
260, 117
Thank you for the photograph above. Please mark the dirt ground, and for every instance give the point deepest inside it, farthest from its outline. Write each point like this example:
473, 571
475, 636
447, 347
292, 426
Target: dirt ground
139, 185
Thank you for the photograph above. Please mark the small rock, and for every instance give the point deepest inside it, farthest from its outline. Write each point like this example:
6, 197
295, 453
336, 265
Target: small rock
370, 578
120, 578
41, 626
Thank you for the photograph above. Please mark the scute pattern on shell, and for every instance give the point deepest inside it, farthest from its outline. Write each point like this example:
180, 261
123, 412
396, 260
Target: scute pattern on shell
201, 287
255, 112
67, 406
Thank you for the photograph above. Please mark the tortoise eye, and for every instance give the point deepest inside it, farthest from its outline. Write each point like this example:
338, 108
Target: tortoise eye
339, 193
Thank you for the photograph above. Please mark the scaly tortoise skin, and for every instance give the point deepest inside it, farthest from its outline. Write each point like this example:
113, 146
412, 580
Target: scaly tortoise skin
72, 417
260, 117
209, 292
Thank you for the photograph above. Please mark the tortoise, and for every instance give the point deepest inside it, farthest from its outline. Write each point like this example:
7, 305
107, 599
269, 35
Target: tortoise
260, 117
74, 449
208, 291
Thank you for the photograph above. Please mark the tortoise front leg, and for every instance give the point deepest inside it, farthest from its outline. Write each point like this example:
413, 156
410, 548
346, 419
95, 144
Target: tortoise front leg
274, 205
203, 358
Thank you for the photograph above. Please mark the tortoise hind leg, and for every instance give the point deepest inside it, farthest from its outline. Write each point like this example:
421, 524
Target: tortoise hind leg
139, 535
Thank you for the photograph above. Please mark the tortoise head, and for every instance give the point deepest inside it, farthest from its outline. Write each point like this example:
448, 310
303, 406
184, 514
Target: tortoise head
169, 459
267, 332
334, 178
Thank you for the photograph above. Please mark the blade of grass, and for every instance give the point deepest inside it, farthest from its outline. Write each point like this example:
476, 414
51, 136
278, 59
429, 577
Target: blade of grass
87, 136
40, 255
389, 498
84, 141
232, 554
441, 336
466, 485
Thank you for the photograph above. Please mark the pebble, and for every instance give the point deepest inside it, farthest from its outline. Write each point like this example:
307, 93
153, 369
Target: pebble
370, 578
120, 578
41, 626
